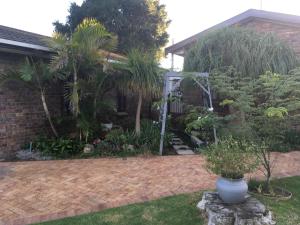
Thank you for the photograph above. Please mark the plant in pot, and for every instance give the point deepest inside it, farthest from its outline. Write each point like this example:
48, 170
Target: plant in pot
231, 158
106, 114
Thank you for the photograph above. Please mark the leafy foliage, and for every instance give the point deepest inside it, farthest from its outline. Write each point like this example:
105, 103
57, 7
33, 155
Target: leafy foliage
140, 24
248, 52
127, 143
199, 122
263, 107
57, 147
80, 56
279, 112
231, 158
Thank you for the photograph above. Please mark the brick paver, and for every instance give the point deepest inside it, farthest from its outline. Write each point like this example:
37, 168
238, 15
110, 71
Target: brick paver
39, 191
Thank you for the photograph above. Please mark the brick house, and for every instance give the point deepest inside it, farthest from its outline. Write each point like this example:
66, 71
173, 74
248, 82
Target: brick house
21, 112
22, 117
284, 26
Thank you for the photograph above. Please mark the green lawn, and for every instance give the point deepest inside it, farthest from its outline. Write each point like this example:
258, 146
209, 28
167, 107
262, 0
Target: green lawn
181, 210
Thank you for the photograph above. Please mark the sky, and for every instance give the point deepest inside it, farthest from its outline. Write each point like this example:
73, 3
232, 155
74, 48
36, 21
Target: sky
188, 16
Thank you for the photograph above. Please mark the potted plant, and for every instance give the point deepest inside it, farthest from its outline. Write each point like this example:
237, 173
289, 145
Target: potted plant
231, 159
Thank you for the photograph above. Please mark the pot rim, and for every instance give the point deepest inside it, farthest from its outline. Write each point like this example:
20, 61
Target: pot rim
232, 179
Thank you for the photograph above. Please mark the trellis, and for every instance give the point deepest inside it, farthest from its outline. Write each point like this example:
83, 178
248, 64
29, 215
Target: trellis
170, 76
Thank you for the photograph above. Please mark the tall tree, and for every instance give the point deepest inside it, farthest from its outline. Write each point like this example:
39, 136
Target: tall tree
143, 79
78, 55
137, 23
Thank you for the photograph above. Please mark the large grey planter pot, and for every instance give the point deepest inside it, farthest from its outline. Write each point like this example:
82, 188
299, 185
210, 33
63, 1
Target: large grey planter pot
232, 191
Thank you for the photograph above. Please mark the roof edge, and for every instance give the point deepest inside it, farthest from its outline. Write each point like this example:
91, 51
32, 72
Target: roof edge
248, 14
24, 45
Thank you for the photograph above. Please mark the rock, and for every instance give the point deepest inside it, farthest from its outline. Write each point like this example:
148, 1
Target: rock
181, 147
176, 141
88, 148
31, 155
185, 152
128, 147
251, 212
196, 140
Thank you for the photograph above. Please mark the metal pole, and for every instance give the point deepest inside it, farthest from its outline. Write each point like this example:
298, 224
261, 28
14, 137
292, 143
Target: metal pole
164, 116
172, 58
172, 62
212, 109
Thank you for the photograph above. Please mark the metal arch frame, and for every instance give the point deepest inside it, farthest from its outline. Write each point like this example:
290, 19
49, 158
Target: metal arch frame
166, 92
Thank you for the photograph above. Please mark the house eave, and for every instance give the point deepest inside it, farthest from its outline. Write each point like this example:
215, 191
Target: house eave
24, 45
179, 48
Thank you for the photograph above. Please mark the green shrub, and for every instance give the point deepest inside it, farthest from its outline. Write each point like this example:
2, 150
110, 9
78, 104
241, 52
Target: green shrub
116, 137
200, 120
58, 148
150, 136
231, 158
292, 138
127, 143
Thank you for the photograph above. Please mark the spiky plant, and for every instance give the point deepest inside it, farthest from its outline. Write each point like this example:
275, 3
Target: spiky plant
143, 79
248, 52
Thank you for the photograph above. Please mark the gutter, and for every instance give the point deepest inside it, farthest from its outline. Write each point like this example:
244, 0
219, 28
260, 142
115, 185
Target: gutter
24, 45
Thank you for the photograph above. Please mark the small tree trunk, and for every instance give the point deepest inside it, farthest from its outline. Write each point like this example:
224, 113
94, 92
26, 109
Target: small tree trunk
268, 180
48, 113
138, 116
268, 184
95, 108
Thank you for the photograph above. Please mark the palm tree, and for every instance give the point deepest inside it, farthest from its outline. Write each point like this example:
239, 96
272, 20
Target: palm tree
37, 76
143, 79
78, 55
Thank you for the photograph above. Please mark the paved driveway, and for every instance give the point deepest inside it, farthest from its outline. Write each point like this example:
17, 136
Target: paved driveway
38, 191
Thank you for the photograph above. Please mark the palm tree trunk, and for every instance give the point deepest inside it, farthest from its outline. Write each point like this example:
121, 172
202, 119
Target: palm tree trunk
48, 113
98, 91
75, 92
138, 116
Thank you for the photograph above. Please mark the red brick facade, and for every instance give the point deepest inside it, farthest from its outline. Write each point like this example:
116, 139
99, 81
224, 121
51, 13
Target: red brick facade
21, 112
289, 33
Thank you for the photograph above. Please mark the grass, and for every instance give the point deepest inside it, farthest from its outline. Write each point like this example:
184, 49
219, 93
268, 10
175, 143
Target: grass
286, 212
181, 209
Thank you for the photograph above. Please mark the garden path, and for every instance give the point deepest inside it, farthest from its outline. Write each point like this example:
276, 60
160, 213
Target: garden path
43, 190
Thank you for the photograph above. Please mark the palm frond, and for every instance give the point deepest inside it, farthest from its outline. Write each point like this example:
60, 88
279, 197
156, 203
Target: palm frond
144, 76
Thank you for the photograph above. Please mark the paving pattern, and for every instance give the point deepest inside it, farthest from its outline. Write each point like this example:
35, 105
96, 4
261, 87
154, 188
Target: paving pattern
39, 191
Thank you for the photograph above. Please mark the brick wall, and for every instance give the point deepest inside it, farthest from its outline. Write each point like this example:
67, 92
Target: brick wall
21, 113
289, 33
